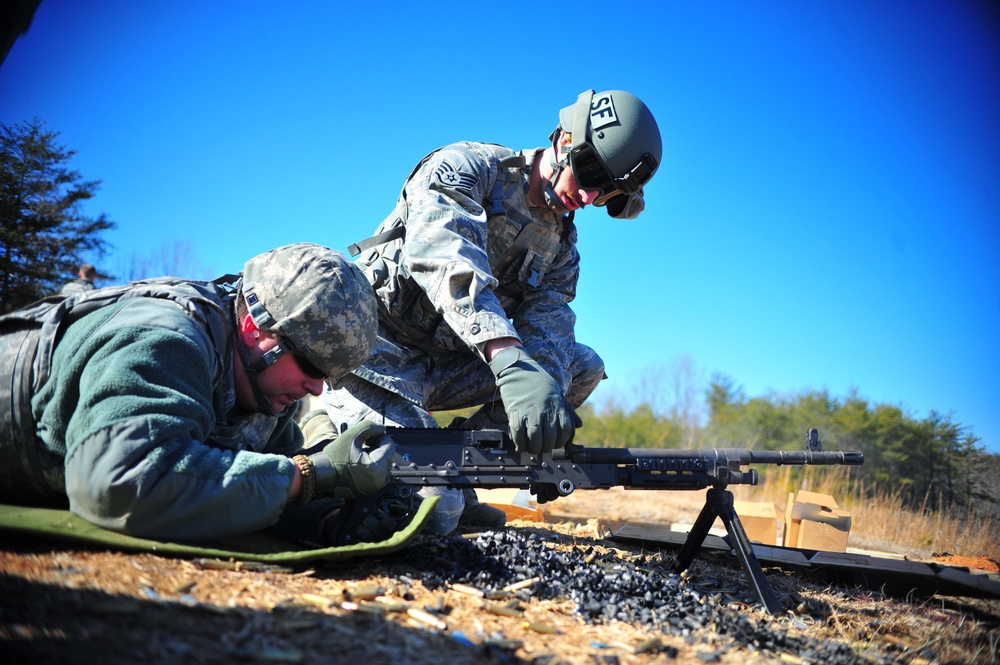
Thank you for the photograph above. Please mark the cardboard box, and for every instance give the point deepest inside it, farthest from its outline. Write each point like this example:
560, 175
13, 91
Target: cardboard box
759, 520
517, 504
824, 500
814, 522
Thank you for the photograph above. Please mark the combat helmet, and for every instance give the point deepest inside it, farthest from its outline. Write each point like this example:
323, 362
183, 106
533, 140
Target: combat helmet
317, 302
616, 146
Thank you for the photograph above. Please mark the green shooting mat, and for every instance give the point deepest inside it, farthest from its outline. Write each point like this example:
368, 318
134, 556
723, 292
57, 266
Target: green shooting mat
261, 546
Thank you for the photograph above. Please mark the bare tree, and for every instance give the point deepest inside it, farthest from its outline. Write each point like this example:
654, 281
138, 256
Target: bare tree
673, 390
176, 259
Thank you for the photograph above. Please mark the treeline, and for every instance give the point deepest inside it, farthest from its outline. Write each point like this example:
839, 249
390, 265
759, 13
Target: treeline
932, 463
44, 232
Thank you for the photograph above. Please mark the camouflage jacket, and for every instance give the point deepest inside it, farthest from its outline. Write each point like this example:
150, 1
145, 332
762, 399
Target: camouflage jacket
475, 262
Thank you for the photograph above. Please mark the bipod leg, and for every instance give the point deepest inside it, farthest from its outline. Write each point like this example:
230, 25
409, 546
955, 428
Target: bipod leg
696, 536
722, 499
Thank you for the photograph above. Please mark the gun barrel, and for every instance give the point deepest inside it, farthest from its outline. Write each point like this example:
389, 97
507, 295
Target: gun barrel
630, 455
741, 456
782, 457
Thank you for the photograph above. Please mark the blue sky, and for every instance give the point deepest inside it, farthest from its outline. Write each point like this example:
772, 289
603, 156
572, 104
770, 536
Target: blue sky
827, 213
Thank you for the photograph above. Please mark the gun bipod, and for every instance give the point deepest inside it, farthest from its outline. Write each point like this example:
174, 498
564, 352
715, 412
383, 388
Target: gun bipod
719, 503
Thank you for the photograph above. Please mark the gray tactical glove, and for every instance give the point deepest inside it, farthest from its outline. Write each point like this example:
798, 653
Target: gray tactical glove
354, 464
539, 417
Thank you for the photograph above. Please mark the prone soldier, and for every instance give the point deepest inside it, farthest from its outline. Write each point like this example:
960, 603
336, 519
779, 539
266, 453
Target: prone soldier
166, 408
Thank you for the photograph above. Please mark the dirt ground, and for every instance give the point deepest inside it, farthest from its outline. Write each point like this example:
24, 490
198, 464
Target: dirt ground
69, 604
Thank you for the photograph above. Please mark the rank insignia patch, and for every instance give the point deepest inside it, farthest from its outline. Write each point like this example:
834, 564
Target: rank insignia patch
449, 177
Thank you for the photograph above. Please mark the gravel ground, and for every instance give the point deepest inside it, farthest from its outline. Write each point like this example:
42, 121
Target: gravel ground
544, 593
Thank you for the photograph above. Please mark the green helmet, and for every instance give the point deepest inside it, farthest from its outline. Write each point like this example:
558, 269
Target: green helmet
616, 142
315, 300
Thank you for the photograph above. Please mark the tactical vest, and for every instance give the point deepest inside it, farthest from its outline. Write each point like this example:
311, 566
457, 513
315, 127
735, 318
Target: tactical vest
521, 249
28, 340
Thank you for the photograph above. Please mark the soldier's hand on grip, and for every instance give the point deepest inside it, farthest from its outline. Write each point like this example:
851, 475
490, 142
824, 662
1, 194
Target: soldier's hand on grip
539, 417
354, 464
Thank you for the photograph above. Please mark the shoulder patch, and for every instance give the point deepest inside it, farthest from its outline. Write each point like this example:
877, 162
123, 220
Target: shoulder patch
452, 178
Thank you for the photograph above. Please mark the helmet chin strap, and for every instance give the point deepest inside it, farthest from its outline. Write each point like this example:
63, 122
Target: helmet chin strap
251, 370
553, 202
578, 132
549, 192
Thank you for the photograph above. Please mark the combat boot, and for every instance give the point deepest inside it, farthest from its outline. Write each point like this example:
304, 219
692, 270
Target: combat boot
478, 516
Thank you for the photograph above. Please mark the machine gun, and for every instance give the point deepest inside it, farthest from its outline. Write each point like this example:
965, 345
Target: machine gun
487, 459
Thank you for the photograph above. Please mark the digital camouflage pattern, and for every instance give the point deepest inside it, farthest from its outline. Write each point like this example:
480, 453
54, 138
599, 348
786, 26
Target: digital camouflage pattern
318, 300
477, 263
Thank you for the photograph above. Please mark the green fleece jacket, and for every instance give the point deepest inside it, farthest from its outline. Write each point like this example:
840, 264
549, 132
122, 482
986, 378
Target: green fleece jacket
140, 407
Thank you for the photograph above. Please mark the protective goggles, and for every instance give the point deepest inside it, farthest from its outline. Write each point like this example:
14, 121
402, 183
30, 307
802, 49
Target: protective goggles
308, 368
590, 172
285, 347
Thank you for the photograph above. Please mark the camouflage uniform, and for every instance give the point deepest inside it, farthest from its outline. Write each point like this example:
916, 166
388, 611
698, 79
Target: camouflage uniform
475, 262
76, 285
317, 297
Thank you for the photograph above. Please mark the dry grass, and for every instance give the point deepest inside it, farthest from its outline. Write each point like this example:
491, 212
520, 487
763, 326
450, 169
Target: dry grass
934, 531
880, 522
880, 518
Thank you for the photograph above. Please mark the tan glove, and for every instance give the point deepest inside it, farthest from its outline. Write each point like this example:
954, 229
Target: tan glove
317, 429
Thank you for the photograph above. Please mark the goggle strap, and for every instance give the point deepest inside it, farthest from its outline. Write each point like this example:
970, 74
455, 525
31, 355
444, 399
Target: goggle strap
271, 356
